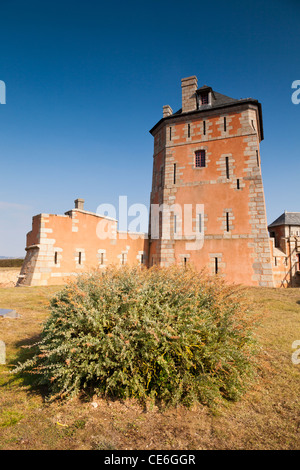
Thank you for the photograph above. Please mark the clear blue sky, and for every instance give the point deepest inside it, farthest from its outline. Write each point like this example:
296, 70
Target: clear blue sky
86, 81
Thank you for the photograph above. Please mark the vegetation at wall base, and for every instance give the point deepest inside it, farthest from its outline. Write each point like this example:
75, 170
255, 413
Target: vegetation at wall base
168, 334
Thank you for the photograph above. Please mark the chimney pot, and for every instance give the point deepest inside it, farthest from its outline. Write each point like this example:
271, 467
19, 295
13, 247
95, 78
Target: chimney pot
167, 110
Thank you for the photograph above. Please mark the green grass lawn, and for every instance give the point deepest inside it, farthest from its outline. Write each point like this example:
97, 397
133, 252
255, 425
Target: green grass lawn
267, 417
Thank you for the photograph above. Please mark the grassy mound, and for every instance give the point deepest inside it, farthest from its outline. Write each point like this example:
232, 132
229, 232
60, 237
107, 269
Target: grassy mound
170, 334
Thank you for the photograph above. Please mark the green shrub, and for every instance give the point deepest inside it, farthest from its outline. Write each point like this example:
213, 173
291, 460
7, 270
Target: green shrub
171, 334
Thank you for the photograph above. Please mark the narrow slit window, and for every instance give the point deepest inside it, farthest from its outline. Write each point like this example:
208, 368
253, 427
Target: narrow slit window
216, 266
174, 173
225, 124
204, 127
142, 258
175, 223
79, 257
227, 221
227, 167
200, 159
189, 130
101, 258
162, 176
55, 258
160, 224
170, 133
257, 158
184, 262
275, 261
200, 222
238, 184
123, 258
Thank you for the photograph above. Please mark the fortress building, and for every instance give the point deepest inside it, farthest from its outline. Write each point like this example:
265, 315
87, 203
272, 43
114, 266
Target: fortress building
208, 153
207, 205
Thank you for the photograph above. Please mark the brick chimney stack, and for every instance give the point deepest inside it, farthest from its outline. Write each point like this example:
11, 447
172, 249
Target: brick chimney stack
189, 86
79, 204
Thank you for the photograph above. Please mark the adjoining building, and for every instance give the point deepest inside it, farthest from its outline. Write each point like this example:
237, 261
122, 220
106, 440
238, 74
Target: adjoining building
285, 243
207, 195
62, 246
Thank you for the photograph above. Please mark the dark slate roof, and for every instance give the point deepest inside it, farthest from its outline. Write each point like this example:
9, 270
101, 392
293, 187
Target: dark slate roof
218, 101
287, 218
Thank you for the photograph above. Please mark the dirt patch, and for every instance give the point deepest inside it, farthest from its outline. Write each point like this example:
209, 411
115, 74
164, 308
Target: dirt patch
9, 277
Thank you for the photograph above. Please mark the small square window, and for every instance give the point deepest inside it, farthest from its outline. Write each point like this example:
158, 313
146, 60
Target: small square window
200, 159
204, 98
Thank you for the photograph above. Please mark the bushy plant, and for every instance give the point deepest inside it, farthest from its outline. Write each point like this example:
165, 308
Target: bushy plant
171, 334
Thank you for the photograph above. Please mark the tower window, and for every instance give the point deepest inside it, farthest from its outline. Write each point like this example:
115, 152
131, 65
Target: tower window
185, 262
170, 133
174, 173
227, 221
189, 130
142, 258
225, 124
204, 127
101, 258
200, 222
257, 158
237, 184
175, 223
162, 176
123, 258
216, 266
200, 159
55, 257
204, 98
227, 167
79, 257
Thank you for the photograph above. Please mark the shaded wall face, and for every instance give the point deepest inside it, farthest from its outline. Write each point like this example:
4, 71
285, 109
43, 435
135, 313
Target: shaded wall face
229, 185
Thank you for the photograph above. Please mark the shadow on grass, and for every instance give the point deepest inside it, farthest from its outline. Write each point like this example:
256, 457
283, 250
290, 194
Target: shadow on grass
27, 349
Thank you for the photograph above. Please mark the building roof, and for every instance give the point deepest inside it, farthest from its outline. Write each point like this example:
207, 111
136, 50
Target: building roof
218, 101
287, 218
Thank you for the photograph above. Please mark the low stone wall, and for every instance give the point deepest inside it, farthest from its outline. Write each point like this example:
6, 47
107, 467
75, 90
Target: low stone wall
9, 276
